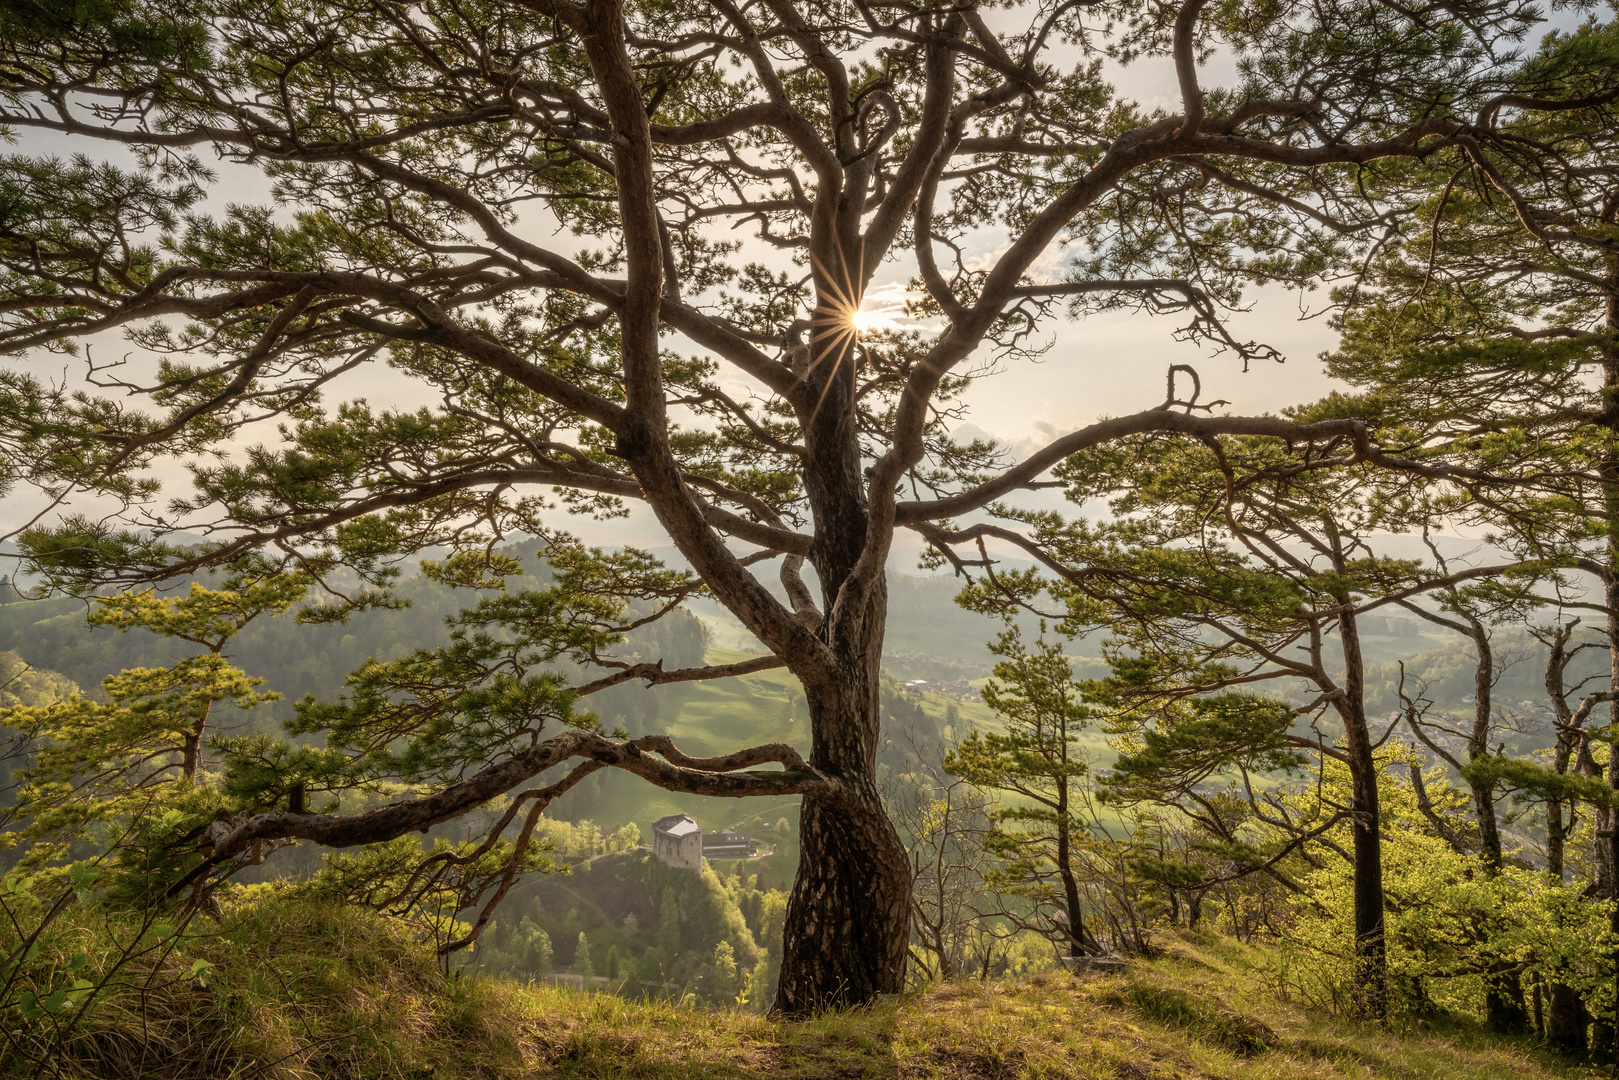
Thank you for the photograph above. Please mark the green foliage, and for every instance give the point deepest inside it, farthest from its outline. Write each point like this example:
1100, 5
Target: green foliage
126, 774
582, 964
22, 684
527, 951
662, 927
725, 982
1196, 740
1449, 920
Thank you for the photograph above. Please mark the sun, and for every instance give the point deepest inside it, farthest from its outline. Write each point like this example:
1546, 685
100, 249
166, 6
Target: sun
866, 322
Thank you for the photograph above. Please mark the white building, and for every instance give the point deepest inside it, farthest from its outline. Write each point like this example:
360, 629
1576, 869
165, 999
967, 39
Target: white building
677, 840
726, 844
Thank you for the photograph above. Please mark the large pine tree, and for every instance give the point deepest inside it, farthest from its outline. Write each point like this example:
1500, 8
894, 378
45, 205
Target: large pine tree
421, 157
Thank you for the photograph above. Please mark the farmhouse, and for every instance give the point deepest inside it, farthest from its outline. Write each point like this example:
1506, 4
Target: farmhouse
726, 844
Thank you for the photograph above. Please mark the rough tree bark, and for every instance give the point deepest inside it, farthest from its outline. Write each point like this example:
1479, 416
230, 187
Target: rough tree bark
848, 919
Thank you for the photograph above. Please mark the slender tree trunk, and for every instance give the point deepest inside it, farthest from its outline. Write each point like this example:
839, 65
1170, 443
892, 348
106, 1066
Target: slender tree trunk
1565, 1021
1608, 839
1065, 854
1565, 1017
1610, 505
1563, 755
191, 746
1503, 992
1070, 887
1478, 745
1371, 958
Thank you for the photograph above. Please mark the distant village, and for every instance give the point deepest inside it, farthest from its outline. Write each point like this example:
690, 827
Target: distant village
679, 841
956, 689
946, 677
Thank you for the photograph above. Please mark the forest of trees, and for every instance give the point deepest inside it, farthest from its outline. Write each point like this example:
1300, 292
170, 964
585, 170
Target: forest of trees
391, 286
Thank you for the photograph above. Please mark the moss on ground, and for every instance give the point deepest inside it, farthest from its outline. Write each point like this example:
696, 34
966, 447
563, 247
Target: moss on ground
299, 990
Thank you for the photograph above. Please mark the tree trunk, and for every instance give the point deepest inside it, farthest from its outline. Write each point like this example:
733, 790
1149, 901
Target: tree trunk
1565, 1018
1503, 990
1609, 471
1565, 1024
1070, 889
1611, 841
848, 919
1478, 744
1065, 857
191, 745
1371, 959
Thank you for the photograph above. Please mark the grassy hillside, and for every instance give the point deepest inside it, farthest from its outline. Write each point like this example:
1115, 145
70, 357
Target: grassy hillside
300, 990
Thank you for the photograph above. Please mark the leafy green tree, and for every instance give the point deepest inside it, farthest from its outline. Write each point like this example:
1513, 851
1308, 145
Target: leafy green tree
207, 618
1453, 922
401, 147
582, 964
533, 947
727, 982
651, 969
23, 684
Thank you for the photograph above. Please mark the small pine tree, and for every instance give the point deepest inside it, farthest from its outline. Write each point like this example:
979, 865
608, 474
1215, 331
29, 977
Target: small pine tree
1038, 760
726, 983
611, 967
131, 765
669, 923
651, 965
581, 958
533, 947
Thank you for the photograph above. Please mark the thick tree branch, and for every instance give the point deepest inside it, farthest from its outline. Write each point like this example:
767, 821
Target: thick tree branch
676, 772
655, 675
